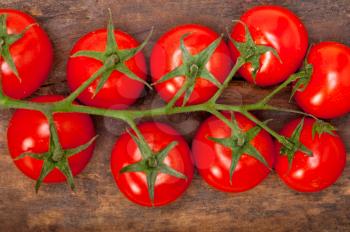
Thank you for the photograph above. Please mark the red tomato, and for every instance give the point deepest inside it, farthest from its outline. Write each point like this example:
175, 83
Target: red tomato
213, 160
119, 91
311, 174
32, 55
29, 131
166, 56
328, 92
134, 184
280, 29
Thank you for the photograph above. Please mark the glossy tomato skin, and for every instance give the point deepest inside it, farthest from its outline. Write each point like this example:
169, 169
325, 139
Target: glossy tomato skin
133, 184
29, 131
311, 174
280, 29
166, 56
328, 92
213, 160
32, 55
119, 91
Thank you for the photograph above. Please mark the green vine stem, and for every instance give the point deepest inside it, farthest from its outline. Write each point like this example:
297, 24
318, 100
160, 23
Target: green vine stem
193, 67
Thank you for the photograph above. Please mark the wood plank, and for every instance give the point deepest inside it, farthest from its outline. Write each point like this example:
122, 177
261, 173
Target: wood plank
98, 205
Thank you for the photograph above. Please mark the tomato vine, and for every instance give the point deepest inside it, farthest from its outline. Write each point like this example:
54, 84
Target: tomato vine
194, 66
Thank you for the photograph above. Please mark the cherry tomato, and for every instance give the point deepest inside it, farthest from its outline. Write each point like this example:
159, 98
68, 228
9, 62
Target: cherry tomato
167, 55
213, 160
328, 92
28, 131
119, 91
311, 174
32, 55
280, 29
134, 184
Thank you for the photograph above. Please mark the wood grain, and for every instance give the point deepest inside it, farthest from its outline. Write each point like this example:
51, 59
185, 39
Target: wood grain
98, 205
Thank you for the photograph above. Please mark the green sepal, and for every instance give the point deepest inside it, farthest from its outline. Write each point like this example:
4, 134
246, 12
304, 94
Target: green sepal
64, 167
304, 77
38, 156
3, 27
135, 167
319, 127
128, 54
104, 77
178, 71
193, 67
121, 67
7, 40
164, 153
240, 143
170, 171
293, 144
152, 163
48, 166
90, 54
111, 45
151, 176
205, 74
251, 52
76, 150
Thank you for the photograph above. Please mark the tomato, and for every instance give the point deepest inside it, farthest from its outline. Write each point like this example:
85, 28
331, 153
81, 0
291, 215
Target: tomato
328, 91
213, 160
166, 56
322, 169
167, 188
28, 131
32, 55
280, 29
119, 91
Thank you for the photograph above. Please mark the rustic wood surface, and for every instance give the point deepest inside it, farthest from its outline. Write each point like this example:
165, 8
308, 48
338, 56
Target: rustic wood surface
97, 204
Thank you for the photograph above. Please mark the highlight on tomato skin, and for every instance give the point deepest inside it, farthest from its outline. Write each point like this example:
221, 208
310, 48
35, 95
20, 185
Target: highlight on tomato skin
213, 160
327, 92
28, 131
166, 56
31, 54
280, 29
311, 173
167, 188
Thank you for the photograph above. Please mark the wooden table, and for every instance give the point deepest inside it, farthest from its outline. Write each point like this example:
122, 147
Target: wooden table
97, 204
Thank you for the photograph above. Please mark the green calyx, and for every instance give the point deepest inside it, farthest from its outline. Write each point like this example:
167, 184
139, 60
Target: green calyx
251, 52
152, 163
240, 144
303, 78
193, 67
293, 144
319, 127
6, 40
113, 58
56, 157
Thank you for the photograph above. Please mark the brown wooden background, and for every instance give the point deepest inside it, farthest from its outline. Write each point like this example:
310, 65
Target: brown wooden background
98, 205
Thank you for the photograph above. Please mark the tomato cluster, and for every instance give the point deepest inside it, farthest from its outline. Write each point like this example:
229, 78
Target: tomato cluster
152, 163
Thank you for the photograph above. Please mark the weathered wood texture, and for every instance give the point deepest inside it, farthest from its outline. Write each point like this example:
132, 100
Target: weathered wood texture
98, 205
